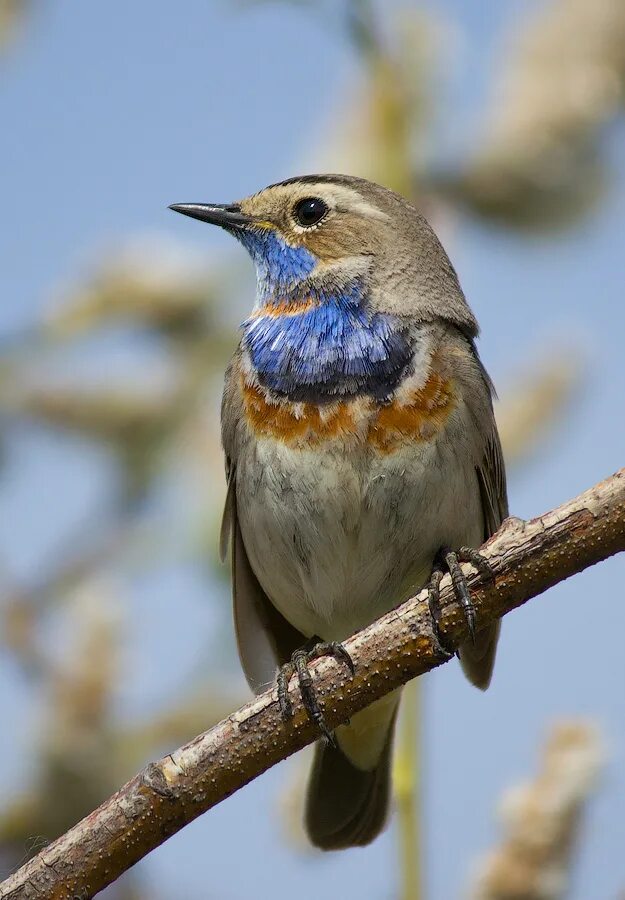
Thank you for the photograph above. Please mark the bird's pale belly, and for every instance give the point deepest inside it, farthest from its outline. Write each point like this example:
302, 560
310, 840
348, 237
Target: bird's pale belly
340, 533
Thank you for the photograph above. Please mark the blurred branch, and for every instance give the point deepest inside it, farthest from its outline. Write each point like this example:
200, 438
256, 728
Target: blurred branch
74, 754
540, 163
542, 821
10, 13
120, 415
135, 422
536, 402
81, 558
527, 558
382, 128
138, 422
407, 794
362, 27
82, 750
157, 285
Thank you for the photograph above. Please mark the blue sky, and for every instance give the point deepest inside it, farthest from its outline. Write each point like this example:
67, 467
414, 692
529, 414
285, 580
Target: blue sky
112, 111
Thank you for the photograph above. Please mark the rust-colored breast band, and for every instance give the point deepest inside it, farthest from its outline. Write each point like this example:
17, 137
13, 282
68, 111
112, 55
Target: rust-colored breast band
417, 417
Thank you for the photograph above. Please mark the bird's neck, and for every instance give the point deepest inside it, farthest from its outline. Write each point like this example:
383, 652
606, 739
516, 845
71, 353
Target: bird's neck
312, 341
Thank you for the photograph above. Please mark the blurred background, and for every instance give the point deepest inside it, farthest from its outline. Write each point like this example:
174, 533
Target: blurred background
503, 121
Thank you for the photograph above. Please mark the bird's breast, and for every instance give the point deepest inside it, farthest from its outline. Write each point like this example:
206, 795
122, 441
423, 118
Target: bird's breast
343, 504
417, 412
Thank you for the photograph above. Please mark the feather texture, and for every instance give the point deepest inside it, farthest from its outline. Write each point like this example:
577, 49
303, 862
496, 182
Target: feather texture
326, 344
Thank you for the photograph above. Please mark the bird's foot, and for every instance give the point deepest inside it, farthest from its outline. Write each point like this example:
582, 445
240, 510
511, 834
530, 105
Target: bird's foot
449, 561
299, 666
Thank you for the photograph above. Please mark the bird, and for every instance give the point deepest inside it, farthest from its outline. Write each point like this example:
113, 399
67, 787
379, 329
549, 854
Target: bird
362, 457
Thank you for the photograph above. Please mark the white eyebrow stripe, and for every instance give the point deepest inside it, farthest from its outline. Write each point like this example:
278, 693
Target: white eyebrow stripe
338, 196
347, 199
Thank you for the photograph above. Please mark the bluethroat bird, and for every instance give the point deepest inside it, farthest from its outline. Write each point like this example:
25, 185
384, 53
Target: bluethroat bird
362, 456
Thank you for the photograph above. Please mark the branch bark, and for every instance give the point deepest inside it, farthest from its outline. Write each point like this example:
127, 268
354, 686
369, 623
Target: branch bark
527, 558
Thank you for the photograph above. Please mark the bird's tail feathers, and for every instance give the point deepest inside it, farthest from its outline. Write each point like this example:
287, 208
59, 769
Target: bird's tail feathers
347, 804
478, 657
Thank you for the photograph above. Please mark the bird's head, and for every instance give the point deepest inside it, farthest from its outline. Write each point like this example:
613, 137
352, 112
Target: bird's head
313, 223
331, 231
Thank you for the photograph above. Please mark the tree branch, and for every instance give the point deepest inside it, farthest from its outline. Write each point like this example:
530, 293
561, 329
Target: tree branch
527, 558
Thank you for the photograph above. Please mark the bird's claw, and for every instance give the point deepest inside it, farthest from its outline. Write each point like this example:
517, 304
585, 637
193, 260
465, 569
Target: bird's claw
448, 560
298, 665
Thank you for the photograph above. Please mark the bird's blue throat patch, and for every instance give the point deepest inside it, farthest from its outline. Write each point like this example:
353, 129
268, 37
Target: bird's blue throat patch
279, 266
316, 344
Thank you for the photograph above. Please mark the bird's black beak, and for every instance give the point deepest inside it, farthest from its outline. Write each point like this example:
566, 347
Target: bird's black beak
224, 215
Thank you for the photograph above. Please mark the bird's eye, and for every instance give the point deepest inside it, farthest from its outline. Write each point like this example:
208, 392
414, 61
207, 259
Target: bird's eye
309, 211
